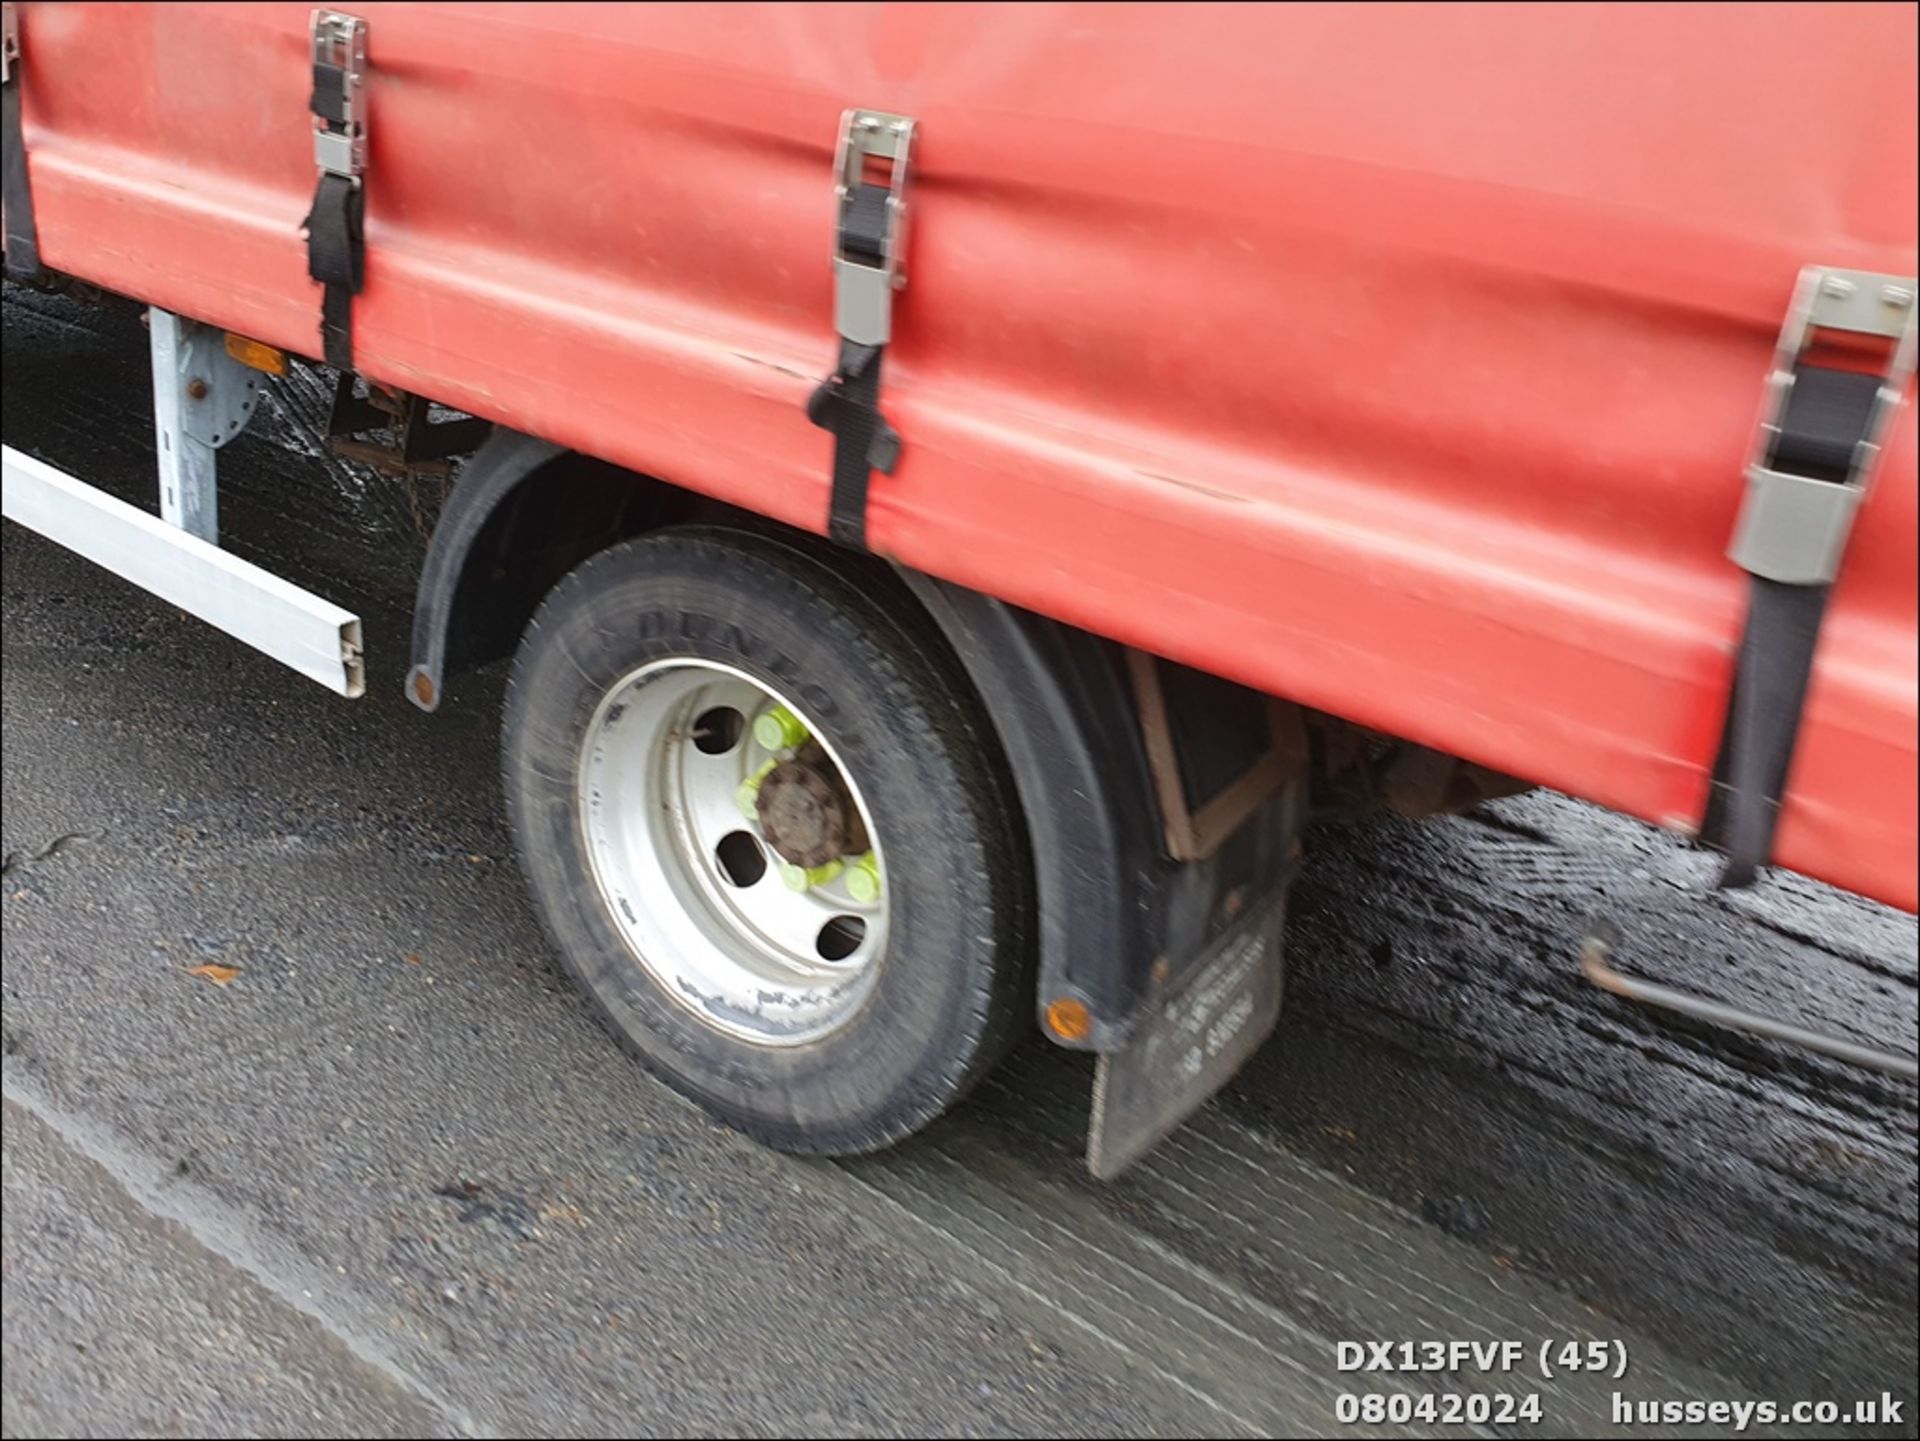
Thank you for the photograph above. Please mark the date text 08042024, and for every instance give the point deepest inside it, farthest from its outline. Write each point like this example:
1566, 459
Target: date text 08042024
1453, 1409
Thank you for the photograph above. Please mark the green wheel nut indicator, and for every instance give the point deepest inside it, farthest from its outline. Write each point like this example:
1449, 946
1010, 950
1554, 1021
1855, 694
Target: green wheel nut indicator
747, 795
798, 878
779, 729
863, 879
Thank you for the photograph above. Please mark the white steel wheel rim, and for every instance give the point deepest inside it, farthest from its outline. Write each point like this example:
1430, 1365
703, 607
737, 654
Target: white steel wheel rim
661, 812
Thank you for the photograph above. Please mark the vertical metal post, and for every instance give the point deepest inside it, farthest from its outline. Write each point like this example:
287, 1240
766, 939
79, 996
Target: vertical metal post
202, 397
189, 496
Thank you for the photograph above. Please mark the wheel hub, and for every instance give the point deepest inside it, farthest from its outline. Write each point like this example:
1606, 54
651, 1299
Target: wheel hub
752, 943
805, 812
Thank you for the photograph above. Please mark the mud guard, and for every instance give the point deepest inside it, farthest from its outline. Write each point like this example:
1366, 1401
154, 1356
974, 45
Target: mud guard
1151, 955
1190, 1043
522, 514
486, 483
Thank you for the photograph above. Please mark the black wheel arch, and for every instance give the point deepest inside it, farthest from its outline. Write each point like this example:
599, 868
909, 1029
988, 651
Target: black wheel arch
523, 513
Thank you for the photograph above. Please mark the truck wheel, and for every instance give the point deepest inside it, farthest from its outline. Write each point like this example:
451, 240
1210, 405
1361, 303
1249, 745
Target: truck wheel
762, 819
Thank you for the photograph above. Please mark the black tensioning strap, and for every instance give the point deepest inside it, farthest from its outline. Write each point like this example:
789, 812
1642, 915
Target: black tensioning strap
864, 236
847, 403
16, 191
1770, 680
336, 257
336, 249
1827, 414
329, 93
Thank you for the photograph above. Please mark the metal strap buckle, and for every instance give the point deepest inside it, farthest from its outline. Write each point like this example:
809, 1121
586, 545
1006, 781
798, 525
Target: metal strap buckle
862, 291
9, 41
1793, 527
340, 51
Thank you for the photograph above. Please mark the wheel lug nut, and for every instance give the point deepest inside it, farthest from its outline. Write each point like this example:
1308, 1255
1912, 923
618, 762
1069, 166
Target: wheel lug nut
800, 878
779, 729
863, 879
747, 794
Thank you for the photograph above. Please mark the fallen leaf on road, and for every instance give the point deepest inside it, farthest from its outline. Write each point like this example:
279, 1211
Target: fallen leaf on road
218, 974
412, 958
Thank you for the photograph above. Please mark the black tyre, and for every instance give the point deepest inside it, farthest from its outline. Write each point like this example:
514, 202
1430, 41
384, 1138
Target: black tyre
766, 825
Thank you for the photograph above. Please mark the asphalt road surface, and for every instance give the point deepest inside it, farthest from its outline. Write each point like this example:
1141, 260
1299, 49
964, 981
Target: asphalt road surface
390, 1178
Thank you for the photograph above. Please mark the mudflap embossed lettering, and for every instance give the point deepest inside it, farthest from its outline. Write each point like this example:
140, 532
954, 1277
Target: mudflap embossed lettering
1191, 1045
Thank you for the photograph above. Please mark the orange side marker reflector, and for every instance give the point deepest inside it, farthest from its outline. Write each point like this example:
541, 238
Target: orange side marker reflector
1067, 1018
257, 354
